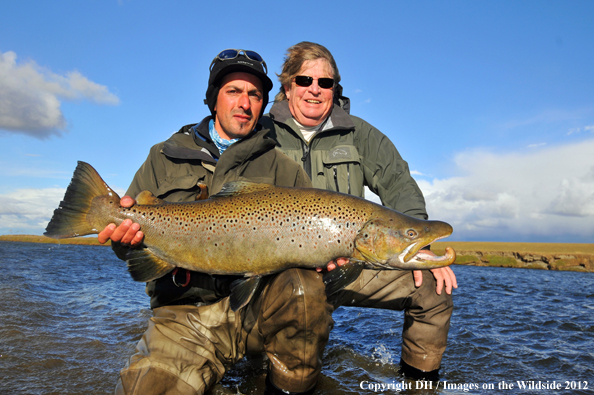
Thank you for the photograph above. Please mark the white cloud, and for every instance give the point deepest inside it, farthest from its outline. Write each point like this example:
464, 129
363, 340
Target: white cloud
30, 96
28, 210
545, 194
579, 130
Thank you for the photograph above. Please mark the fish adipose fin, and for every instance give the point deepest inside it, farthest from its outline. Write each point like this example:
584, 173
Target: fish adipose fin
240, 187
342, 276
242, 291
70, 218
145, 266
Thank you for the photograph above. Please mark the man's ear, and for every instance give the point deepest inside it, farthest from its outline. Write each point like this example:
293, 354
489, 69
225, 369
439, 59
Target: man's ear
287, 90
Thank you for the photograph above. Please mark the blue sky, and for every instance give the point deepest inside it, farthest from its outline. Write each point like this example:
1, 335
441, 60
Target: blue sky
491, 103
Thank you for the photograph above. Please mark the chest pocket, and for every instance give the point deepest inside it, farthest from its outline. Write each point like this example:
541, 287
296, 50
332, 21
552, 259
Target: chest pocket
341, 170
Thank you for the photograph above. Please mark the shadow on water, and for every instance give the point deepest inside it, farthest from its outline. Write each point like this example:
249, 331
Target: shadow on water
71, 316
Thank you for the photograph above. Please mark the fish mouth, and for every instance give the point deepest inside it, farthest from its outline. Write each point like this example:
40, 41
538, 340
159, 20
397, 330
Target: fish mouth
424, 259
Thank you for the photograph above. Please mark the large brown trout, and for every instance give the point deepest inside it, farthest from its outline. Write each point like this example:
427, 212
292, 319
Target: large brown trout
252, 230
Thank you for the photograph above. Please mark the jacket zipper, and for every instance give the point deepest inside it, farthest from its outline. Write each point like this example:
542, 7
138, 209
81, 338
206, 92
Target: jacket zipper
335, 178
349, 177
306, 158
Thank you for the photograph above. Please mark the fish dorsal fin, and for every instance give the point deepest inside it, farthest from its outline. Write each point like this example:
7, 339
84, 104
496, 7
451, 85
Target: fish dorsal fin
235, 188
146, 198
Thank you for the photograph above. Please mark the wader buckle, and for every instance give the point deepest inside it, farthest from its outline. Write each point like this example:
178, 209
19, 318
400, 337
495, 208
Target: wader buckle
188, 275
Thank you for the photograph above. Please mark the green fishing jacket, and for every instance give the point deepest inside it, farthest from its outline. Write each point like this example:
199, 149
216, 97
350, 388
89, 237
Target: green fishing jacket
346, 155
175, 168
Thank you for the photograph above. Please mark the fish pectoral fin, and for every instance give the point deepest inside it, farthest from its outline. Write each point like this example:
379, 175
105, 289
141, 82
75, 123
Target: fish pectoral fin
144, 265
340, 277
242, 291
367, 257
146, 198
235, 188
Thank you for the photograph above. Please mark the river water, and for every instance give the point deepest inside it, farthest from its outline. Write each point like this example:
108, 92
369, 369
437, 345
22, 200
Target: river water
71, 315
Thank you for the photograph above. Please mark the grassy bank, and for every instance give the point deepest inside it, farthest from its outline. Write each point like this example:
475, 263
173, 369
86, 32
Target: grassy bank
541, 248
547, 256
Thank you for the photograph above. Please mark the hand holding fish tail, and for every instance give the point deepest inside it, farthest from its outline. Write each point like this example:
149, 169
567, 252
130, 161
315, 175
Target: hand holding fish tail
127, 234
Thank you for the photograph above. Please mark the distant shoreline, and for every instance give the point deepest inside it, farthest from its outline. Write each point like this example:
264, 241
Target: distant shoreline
547, 256
91, 241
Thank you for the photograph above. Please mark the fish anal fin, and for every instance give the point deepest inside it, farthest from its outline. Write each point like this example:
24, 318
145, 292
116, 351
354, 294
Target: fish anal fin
235, 188
342, 276
146, 198
144, 265
242, 291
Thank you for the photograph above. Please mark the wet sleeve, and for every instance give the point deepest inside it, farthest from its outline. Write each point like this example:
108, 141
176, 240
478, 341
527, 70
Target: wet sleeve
386, 173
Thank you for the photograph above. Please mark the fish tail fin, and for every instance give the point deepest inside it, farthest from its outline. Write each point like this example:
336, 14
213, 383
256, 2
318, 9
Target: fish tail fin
70, 218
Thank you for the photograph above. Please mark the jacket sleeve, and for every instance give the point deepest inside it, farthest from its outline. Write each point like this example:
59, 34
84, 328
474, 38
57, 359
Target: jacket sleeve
386, 173
145, 178
302, 179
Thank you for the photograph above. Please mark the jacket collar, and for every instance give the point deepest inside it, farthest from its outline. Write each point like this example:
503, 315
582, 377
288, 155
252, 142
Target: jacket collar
189, 145
253, 145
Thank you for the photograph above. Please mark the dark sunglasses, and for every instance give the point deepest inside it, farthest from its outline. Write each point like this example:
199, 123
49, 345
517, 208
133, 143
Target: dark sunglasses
325, 83
229, 54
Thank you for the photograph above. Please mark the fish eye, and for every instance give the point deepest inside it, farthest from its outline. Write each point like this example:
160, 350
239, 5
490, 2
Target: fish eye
411, 233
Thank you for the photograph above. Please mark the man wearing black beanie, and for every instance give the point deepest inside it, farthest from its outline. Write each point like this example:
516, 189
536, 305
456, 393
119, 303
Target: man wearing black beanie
194, 335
